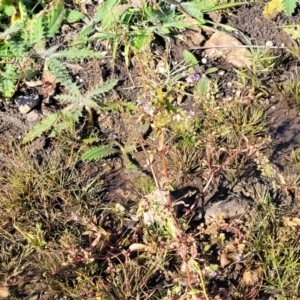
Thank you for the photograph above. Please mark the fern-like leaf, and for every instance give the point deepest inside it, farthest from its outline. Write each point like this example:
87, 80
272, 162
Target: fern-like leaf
69, 97
60, 72
17, 47
73, 16
99, 152
76, 53
8, 81
107, 86
40, 128
189, 58
36, 30
289, 6
54, 19
12, 30
194, 9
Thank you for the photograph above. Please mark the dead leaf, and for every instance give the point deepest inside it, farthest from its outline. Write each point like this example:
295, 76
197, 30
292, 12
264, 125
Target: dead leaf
222, 45
272, 9
138, 247
252, 276
49, 85
226, 259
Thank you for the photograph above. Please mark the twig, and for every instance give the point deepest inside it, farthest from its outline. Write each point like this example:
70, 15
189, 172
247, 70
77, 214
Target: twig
240, 46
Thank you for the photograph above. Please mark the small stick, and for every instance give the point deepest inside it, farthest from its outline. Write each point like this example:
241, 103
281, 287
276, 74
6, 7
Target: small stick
240, 46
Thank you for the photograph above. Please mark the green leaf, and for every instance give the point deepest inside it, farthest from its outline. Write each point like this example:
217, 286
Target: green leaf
114, 15
13, 29
40, 128
61, 73
73, 16
189, 58
104, 9
194, 9
17, 47
53, 20
107, 86
36, 30
70, 97
99, 152
211, 70
91, 140
8, 81
9, 10
203, 86
289, 6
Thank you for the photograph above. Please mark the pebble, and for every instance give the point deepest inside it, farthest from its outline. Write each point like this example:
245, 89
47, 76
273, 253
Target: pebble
33, 116
27, 103
231, 208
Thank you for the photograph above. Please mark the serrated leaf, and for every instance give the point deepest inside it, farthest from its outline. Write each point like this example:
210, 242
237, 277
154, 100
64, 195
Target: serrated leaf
17, 47
53, 20
40, 128
289, 6
91, 103
73, 16
7, 87
194, 9
68, 97
8, 81
91, 140
99, 152
78, 53
104, 9
107, 86
13, 29
61, 73
189, 58
36, 30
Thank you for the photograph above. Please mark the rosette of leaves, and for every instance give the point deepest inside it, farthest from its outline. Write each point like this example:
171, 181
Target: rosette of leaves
76, 101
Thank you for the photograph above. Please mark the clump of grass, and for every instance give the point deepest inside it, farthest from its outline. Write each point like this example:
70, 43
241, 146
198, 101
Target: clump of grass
292, 88
295, 156
275, 241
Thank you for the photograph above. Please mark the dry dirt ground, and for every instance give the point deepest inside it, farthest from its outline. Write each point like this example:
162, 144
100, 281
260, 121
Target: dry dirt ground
282, 116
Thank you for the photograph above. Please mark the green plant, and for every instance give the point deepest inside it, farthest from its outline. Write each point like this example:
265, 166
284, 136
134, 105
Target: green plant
24, 39
56, 123
277, 249
291, 88
262, 62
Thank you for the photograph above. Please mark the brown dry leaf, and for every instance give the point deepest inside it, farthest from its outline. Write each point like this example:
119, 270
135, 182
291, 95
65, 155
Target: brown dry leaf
222, 45
252, 276
292, 222
49, 84
227, 259
33, 84
138, 247
4, 293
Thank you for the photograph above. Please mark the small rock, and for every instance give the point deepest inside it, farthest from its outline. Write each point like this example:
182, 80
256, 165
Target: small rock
231, 208
33, 116
27, 103
234, 53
